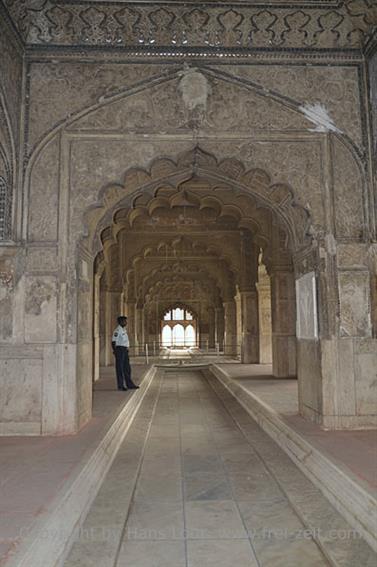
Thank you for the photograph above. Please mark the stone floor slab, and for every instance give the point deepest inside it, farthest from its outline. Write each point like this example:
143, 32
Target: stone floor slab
218, 553
152, 554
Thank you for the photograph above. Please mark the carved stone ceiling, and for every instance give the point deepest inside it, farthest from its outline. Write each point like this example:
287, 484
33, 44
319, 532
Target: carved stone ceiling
242, 24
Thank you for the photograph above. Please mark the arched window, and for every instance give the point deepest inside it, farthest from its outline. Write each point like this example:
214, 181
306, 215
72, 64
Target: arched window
178, 314
5, 210
167, 336
178, 328
178, 335
190, 339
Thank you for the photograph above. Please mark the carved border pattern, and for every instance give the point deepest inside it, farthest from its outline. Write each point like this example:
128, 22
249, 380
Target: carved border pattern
114, 24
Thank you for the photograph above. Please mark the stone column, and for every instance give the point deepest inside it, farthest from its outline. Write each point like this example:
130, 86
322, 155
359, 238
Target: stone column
347, 350
96, 326
250, 327
102, 326
139, 330
264, 304
131, 324
212, 327
219, 324
230, 335
283, 314
113, 310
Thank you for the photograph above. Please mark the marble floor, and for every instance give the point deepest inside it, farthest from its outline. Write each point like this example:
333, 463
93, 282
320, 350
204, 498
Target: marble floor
355, 451
198, 483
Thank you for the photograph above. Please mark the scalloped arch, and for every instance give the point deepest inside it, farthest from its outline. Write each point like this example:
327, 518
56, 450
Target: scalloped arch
247, 193
155, 277
164, 245
178, 304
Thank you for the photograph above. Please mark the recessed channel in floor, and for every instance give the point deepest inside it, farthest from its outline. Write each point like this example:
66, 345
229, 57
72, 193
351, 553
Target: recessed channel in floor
197, 482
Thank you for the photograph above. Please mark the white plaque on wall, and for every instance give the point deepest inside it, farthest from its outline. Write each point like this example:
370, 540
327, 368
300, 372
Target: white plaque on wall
306, 303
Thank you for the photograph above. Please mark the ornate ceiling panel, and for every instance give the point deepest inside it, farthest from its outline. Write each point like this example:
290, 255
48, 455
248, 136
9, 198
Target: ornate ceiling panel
295, 24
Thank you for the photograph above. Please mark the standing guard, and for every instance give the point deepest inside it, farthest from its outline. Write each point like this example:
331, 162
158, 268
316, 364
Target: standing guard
120, 343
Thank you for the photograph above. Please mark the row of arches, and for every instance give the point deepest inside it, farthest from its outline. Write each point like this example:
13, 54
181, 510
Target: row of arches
178, 335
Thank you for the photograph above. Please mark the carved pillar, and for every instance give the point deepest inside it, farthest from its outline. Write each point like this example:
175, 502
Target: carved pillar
337, 355
131, 324
211, 327
219, 324
103, 324
113, 310
264, 305
139, 329
250, 327
230, 335
248, 298
283, 316
96, 326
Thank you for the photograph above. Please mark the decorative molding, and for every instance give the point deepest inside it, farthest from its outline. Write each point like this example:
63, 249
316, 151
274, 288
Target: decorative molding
343, 24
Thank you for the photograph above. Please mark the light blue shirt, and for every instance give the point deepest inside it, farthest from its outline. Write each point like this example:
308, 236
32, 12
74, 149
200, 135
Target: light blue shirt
120, 337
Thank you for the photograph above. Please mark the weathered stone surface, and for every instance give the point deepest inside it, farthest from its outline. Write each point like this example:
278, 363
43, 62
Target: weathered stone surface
306, 301
40, 309
44, 195
336, 89
366, 385
354, 293
21, 375
348, 200
10, 125
42, 259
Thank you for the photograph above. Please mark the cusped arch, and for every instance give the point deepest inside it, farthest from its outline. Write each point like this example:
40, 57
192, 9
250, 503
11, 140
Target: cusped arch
195, 272
166, 250
177, 305
245, 190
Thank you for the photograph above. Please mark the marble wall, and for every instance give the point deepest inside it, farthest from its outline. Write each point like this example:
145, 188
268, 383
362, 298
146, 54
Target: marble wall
11, 68
95, 133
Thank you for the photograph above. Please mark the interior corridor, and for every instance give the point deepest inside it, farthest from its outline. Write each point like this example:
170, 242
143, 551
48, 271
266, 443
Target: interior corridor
197, 482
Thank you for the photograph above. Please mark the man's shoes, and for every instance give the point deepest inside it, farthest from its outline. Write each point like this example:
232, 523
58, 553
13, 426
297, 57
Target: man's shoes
123, 389
133, 387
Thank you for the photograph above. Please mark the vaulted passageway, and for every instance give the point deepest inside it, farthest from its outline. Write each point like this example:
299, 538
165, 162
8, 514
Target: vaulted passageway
202, 245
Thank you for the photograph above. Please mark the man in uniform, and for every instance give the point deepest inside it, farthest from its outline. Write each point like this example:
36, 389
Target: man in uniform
120, 344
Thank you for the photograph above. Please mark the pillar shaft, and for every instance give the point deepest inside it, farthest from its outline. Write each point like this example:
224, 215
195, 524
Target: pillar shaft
265, 338
219, 327
211, 327
131, 324
140, 329
230, 335
96, 327
283, 315
250, 327
112, 311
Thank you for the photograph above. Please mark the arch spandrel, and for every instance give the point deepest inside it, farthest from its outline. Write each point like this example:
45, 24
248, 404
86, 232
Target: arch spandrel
225, 102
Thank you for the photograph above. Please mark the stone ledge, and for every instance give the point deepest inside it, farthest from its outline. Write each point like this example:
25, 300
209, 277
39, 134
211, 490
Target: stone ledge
67, 511
356, 504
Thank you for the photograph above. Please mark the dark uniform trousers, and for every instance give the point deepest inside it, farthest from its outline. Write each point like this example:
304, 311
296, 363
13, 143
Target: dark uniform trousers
123, 367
